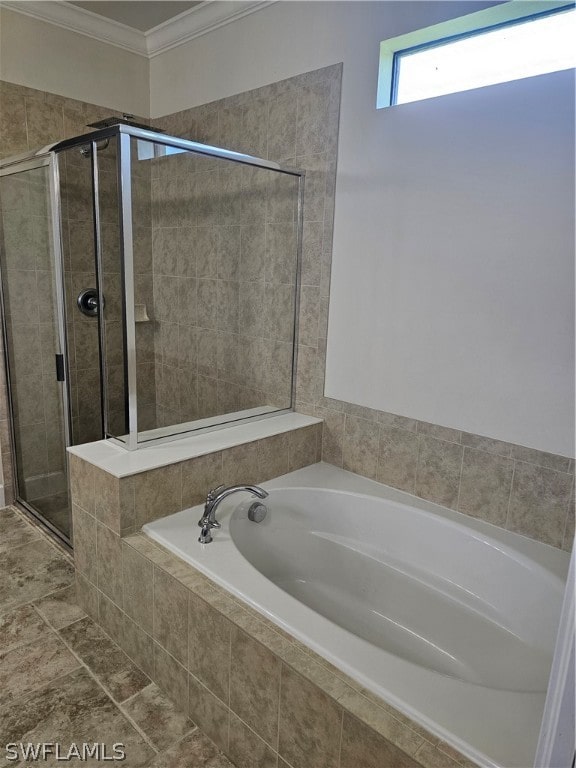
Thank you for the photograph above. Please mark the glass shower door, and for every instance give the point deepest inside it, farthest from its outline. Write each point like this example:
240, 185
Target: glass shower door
34, 339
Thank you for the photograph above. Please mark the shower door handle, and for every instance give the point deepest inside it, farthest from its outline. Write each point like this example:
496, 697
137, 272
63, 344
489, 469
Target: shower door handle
60, 368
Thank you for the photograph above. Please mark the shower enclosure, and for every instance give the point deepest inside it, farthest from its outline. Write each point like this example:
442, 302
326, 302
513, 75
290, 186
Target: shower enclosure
149, 290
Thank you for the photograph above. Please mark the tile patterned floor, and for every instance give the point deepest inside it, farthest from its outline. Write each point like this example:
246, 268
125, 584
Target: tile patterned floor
61, 677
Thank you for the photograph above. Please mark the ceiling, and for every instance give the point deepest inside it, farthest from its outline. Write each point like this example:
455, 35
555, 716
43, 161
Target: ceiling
142, 15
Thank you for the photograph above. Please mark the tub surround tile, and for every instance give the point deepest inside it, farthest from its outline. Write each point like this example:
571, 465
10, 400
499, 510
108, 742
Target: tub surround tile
360, 451
138, 645
381, 720
171, 677
84, 540
310, 724
568, 541
114, 504
438, 473
460, 470
303, 446
487, 444
539, 503
485, 486
109, 563
440, 433
199, 476
332, 435
398, 458
255, 685
541, 459
82, 483
87, 596
110, 618
158, 493
209, 634
273, 457
208, 712
171, 615
429, 757
137, 573
361, 746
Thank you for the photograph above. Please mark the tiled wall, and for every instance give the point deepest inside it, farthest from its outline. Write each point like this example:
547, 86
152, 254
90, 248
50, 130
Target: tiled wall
224, 268
516, 488
241, 241
30, 119
124, 505
259, 694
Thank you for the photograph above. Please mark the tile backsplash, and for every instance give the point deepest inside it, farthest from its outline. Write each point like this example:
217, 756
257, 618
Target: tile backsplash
520, 489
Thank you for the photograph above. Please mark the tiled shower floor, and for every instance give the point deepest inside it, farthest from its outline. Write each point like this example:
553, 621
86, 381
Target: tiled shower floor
63, 680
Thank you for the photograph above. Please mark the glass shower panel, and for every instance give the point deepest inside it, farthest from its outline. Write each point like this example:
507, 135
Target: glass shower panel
110, 284
80, 278
30, 298
215, 279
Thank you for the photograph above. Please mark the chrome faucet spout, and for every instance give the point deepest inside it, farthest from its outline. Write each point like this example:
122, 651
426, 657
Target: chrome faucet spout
213, 499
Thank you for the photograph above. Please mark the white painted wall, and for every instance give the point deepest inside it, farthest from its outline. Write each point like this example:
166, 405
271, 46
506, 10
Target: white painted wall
47, 57
454, 256
452, 287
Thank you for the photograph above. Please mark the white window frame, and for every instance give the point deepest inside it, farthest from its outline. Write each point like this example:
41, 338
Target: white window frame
506, 13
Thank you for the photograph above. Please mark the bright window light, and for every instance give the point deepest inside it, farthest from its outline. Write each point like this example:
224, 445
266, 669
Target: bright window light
527, 47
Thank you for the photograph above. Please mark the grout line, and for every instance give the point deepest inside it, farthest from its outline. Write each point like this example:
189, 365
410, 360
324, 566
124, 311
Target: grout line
341, 737
101, 685
460, 479
510, 495
279, 707
34, 600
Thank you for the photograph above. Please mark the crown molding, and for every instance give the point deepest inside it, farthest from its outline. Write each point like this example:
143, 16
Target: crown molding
197, 21
77, 19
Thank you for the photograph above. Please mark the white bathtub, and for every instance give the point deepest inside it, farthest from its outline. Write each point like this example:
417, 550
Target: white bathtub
450, 619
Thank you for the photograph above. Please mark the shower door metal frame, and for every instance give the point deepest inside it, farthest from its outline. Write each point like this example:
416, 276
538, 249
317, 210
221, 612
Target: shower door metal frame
45, 158
124, 133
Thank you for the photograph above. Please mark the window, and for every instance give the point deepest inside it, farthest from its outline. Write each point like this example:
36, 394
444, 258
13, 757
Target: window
484, 54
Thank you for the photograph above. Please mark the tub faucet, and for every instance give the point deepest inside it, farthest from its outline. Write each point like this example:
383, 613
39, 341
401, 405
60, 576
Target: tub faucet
215, 496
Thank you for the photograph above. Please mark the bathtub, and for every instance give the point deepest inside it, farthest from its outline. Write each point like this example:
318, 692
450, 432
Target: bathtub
447, 618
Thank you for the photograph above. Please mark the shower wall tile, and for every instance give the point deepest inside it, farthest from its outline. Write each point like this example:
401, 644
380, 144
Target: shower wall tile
241, 238
485, 486
439, 469
398, 458
539, 503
